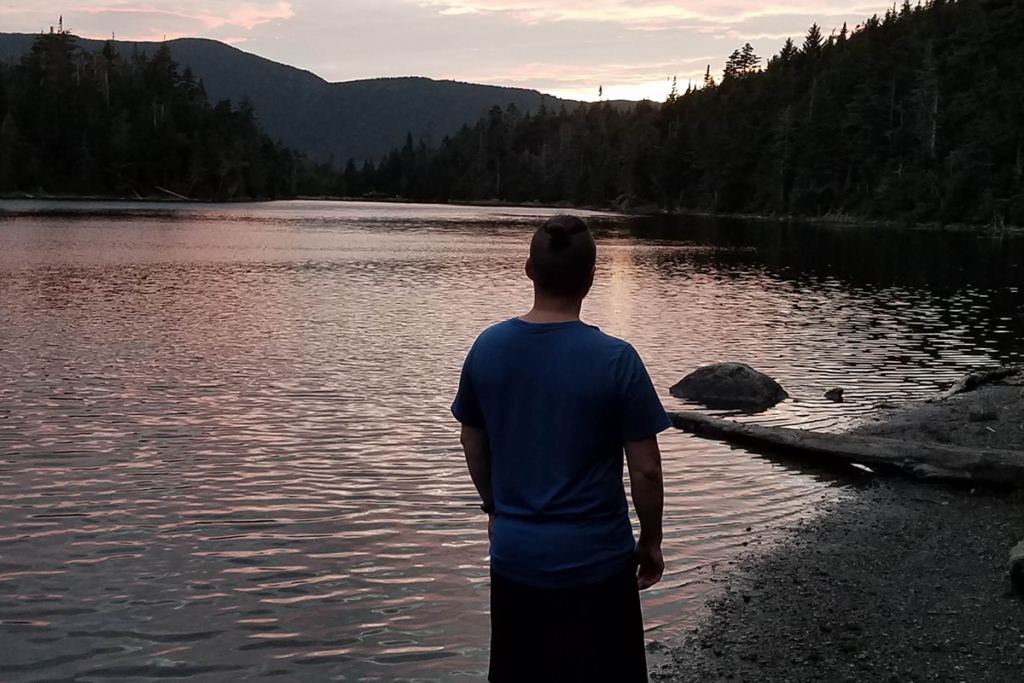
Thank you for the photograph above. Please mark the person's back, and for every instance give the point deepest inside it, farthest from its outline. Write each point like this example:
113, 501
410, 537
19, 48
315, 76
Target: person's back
548, 405
552, 397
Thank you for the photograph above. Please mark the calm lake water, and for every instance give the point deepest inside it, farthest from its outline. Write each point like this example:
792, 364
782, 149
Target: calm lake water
225, 446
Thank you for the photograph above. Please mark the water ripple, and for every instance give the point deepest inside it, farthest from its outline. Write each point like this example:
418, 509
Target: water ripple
225, 447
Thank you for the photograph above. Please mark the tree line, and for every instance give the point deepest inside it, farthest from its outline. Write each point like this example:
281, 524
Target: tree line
916, 115
103, 123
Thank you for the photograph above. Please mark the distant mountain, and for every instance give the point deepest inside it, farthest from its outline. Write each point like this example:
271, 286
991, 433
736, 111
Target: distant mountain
355, 119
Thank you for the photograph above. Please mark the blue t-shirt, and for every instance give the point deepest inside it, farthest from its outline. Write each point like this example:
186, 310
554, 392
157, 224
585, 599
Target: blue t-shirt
558, 401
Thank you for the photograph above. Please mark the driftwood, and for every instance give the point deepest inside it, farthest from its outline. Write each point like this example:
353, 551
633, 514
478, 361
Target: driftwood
977, 379
173, 194
1017, 567
919, 460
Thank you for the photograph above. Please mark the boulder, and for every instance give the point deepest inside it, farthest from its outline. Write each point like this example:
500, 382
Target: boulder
1017, 567
730, 386
983, 411
834, 395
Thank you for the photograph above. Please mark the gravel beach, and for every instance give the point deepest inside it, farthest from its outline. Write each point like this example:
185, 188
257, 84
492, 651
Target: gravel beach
901, 581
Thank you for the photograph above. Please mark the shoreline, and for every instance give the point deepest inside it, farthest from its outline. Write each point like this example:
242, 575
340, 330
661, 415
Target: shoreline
899, 581
153, 199
644, 210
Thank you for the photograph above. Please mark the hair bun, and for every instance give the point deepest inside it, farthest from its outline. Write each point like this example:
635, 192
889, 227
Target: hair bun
561, 229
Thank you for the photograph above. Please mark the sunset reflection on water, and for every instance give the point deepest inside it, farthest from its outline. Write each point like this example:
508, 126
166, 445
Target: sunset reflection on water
225, 446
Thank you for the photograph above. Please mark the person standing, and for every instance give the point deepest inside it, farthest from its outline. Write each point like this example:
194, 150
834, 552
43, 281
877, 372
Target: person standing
549, 406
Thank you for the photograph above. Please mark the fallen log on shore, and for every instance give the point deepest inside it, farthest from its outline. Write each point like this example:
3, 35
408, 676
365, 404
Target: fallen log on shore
924, 461
172, 194
974, 380
1017, 567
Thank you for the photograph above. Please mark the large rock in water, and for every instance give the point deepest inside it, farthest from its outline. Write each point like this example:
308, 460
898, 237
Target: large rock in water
732, 386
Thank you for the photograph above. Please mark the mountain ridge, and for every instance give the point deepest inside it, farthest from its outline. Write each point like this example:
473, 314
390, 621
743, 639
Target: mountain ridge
359, 119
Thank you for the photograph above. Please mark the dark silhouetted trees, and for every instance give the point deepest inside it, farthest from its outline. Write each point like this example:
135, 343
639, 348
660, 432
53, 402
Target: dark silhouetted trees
73, 121
918, 115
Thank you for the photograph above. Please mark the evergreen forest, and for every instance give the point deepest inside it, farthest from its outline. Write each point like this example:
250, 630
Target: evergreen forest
914, 116
103, 123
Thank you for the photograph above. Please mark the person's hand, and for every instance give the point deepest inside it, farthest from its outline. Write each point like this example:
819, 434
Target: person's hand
490, 526
651, 564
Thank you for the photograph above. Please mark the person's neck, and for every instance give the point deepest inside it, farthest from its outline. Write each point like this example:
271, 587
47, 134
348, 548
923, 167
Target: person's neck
553, 310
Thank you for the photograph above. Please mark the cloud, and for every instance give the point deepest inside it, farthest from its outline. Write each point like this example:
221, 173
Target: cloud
646, 12
619, 80
574, 76
151, 37
245, 15
248, 16
743, 35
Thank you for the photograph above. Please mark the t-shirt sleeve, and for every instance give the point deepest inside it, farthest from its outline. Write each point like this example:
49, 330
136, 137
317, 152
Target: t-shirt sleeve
466, 407
641, 414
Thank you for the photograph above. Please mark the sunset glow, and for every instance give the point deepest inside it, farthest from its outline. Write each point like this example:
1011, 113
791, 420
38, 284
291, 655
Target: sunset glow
569, 48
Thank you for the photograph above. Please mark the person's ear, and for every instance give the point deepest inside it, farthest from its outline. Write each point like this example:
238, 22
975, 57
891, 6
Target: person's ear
590, 281
529, 268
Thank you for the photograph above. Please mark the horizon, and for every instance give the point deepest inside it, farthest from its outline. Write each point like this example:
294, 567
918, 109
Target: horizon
566, 48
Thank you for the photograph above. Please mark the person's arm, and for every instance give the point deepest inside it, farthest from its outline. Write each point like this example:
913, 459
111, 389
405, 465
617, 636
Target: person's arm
475, 444
643, 459
641, 419
478, 459
466, 409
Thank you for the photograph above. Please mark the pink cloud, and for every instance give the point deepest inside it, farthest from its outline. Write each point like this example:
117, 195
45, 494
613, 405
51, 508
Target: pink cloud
655, 12
246, 15
634, 81
585, 74
152, 37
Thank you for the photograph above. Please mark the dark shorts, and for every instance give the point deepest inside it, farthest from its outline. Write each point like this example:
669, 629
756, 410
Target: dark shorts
589, 634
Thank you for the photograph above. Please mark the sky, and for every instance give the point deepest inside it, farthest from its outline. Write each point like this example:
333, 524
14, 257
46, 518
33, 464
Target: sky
568, 48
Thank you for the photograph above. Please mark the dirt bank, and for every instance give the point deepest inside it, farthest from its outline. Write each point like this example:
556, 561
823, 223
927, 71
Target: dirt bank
902, 581
950, 421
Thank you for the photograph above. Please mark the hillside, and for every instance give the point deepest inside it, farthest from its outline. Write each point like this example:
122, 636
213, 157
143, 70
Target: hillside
355, 119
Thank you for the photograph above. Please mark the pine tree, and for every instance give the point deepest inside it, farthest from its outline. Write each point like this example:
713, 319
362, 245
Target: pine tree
748, 60
8, 145
813, 42
733, 66
353, 180
788, 52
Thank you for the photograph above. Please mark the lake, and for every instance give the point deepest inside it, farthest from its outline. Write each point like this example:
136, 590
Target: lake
225, 445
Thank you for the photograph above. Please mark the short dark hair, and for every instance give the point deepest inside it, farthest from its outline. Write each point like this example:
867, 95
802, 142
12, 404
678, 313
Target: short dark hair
563, 254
